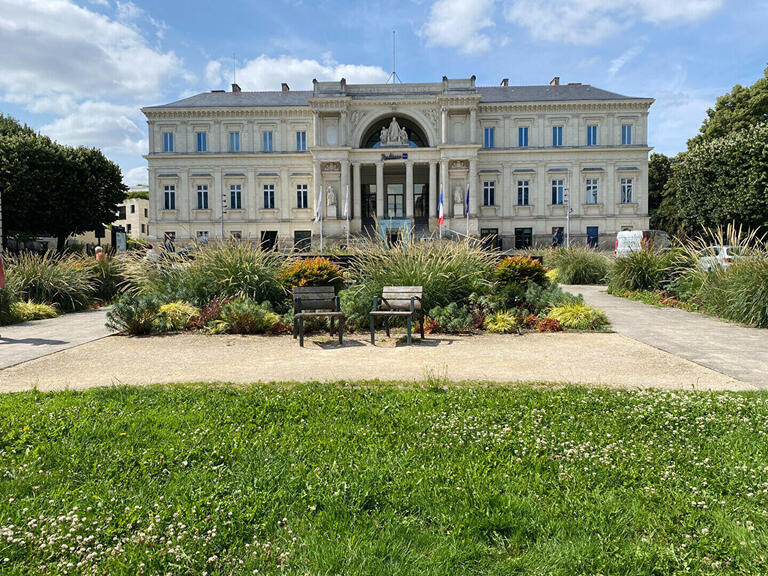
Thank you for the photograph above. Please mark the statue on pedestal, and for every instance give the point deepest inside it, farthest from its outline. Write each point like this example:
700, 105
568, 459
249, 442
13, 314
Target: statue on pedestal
394, 135
331, 194
458, 194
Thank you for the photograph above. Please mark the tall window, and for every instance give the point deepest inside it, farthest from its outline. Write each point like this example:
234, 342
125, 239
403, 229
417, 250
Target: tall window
169, 197
592, 191
626, 191
121, 212
269, 196
234, 141
167, 141
133, 208
523, 191
301, 141
266, 141
592, 135
557, 191
626, 134
489, 193
235, 197
522, 136
202, 141
301, 196
488, 134
557, 135
202, 197
128, 228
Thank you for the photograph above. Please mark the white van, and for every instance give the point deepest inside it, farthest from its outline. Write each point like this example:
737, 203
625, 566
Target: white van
635, 240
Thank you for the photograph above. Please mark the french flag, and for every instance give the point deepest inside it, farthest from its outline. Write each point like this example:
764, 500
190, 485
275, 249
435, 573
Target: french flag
440, 217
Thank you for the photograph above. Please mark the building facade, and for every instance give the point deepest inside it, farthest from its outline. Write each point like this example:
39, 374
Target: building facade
508, 161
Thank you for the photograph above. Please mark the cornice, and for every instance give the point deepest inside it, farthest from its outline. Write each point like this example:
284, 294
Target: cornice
239, 112
567, 106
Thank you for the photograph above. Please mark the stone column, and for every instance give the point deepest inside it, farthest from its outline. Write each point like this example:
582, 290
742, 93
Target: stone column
473, 126
380, 190
433, 191
315, 129
343, 192
444, 125
447, 198
343, 129
473, 192
316, 187
409, 189
356, 196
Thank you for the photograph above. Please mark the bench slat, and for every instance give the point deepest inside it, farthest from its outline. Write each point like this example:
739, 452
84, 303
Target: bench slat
399, 304
317, 305
304, 314
302, 290
390, 313
414, 289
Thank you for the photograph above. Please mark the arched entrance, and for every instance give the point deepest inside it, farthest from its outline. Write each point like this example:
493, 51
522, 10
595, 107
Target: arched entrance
372, 137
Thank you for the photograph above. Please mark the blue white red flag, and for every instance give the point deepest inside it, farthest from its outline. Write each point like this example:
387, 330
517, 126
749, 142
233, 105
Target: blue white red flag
440, 217
466, 202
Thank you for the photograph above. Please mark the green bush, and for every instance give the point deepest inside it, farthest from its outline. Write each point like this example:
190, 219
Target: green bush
176, 316
356, 305
450, 319
134, 314
311, 272
578, 265
642, 270
25, 311
244, 316
502, 322
48, 278
514, 275
7, 299
579, 316
538, 299
738, 293
108, 275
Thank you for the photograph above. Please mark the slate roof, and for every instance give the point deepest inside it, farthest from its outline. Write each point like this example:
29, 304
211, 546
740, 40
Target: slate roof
490, 94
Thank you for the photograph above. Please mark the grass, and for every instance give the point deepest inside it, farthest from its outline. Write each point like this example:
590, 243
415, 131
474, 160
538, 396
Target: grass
383, 479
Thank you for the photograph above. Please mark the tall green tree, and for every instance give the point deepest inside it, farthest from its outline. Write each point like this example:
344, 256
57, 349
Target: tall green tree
662, 201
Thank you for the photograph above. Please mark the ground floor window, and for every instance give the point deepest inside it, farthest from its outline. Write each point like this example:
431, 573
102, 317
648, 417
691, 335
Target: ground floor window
128, 228
236, 235
592, 236
490, 238
395, 201
523, 238
169, 241
369, 202
420, 200
202, 236
269, 239
558, 235
302, 240
143, 229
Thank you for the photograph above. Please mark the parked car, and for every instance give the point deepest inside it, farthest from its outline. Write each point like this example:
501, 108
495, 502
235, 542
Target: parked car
714, 256
635, 240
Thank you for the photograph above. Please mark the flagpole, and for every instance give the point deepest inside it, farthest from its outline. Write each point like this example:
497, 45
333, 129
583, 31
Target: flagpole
466, 208
346, 213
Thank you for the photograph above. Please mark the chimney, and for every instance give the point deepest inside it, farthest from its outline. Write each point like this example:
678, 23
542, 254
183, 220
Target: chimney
236, 88
285, 87
505, 82
555, 81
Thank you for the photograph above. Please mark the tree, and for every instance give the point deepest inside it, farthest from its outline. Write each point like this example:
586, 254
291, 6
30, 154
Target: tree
9, 126
659, 171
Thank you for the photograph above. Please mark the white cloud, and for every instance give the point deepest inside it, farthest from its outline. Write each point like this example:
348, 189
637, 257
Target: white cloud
111, 127
266, 73
459, 24
618, 63
593, 21
136, 176
675, 117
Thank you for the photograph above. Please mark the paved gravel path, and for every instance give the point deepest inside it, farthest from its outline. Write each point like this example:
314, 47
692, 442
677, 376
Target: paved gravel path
30, 340
737, 351
598, 359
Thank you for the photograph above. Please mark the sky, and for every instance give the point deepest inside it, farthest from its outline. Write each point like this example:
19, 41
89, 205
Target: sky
79, 71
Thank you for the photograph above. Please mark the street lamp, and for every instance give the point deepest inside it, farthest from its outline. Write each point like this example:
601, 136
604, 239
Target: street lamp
567, 198
223, 211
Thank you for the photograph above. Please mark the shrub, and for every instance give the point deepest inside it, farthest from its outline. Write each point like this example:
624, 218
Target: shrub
451, 319
578, 265
530, 321
48, 278
210, 312
7, 299
738, 293
579, 317
552, 275
134, 314
520, 270
356, 305
548, 325
25, 311
244, 316
641, 270
538, 299
481, 306
108, 275
311, 272
176, 316
502, 322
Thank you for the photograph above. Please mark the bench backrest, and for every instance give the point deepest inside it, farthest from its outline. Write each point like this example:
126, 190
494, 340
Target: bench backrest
315, 297
399, 297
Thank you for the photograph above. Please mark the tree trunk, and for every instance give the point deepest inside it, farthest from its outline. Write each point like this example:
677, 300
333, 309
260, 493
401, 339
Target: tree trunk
61, 241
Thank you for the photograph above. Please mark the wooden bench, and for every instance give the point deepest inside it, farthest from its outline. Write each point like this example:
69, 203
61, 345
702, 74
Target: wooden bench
311, 301
402, 301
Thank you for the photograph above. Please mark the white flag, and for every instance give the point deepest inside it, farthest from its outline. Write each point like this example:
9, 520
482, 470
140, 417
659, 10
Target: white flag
319, 206
346, 202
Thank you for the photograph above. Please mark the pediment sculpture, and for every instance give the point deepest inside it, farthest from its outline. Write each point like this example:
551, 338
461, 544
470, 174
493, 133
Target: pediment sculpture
395, 135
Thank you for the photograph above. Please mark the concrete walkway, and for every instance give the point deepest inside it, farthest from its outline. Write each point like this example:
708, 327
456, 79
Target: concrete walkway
29, 340
737, 351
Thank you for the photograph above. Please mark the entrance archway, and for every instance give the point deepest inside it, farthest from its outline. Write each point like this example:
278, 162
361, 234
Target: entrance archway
416, 136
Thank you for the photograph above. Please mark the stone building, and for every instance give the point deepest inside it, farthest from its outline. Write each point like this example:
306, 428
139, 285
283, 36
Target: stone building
257, 164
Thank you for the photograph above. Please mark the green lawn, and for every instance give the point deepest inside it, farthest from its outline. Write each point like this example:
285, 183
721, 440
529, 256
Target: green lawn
382, 480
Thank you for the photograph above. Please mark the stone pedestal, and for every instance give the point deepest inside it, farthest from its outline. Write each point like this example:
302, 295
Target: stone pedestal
458, 210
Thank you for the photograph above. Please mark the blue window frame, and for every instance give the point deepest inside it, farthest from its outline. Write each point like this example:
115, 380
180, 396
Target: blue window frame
167, 141
202, 141
269, 196
266, 141
626, 134
301, 141
557, 191
301, 196
522, 136
489, 193
592, 135
557, 135
202, 197
169, 196
235, 197
523, 192
488, 137
234, 141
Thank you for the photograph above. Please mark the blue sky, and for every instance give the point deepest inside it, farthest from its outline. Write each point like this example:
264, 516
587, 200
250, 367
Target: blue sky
80, 70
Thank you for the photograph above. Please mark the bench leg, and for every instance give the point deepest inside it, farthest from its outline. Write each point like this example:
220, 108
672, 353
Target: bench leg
422, 326
295, 328
408, 324
387, 326
330, 333
341, 329
301, 332
373, 330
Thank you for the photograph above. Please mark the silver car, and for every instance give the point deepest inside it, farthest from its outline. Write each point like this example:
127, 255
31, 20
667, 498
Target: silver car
714, 256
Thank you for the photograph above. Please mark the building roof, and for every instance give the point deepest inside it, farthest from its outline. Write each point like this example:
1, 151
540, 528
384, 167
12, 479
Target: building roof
490, 94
